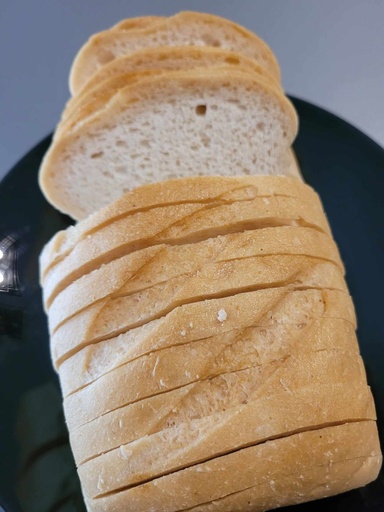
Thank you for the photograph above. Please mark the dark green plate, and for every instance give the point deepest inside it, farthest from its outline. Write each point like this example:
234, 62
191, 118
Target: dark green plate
342, 164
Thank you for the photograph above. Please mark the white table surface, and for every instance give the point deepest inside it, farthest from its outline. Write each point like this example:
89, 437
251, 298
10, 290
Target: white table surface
331, 53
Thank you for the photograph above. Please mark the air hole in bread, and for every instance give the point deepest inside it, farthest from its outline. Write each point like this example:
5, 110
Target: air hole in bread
201, 110
145, 143
210, 41
97, 155
260, 126
121, 144
232, 60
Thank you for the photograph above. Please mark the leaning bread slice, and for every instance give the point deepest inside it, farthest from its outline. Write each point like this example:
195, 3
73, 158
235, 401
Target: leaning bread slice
143, 269
181, 119
261, 305
286, 321
314, 455
251, 423
183, 29
178, 224
171, 58
202, 398
200, 189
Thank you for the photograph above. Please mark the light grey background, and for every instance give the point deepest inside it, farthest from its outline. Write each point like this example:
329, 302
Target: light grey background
331, 53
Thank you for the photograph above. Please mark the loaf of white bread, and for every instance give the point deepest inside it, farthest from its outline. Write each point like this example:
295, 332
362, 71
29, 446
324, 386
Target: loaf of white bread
200, 321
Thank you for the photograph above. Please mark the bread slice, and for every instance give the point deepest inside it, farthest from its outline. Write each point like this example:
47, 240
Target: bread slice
321, 462
94, 360
208, 396
132, 273
170, 126
169, 330
200, 189
183, 29
171, 58
252, 422
178, 224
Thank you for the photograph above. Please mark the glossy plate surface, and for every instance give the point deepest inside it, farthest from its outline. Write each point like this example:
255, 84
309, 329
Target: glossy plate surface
347, 170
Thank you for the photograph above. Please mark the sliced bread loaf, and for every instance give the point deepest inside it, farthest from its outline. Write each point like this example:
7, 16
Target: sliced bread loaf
168, 126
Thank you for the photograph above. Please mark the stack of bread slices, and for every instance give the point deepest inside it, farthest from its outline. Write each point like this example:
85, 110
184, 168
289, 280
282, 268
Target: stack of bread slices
200, 322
